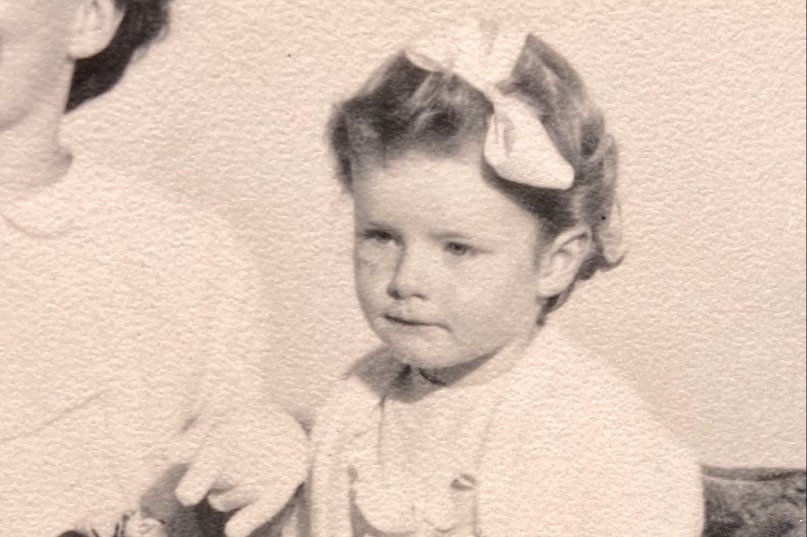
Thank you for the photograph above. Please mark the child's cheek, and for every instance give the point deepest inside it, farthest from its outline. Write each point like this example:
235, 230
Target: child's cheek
375, 258
374, 265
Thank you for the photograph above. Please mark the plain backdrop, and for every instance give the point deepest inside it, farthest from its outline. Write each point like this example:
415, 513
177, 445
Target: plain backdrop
707, 100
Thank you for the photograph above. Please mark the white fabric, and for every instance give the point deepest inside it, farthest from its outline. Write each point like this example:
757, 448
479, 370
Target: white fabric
567, 450
415, 468
125, 319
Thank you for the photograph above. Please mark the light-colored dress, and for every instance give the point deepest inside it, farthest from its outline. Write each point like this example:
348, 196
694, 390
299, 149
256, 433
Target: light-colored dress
128, 324
557, 446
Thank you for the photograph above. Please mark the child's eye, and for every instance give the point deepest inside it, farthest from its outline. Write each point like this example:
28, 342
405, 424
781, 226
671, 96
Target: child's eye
459, 249
377, 235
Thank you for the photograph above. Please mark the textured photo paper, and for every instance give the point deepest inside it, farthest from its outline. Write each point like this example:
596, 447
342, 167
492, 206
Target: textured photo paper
233, 221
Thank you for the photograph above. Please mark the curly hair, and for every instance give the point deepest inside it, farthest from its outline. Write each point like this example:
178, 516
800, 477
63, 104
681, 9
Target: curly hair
143, 21
404, 108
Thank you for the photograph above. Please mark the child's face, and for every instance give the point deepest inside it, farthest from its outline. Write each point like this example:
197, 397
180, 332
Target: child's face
445, 264
34, 36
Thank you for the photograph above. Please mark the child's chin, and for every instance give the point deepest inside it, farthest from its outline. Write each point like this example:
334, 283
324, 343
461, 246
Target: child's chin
424, 358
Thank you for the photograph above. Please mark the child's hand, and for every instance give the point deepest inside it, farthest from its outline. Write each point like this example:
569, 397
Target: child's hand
252, 463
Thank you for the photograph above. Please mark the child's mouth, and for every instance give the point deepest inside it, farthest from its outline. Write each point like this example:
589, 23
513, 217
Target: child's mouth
406, 322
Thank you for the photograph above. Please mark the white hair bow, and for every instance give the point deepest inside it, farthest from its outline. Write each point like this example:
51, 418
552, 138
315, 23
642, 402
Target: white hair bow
516, 145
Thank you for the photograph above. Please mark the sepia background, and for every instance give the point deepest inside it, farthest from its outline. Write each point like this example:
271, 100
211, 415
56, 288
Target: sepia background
707, 100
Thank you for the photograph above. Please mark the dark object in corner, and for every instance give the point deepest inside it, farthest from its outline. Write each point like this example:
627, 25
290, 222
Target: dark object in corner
754, 502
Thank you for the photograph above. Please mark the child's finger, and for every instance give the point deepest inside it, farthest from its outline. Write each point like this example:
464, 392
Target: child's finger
233, 499
253, 516
200, 477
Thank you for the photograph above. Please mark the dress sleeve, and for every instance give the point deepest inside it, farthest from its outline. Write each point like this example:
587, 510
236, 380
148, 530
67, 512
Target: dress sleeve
647, 483
578, 454
235, 375
232, 402
229, 324
619, 485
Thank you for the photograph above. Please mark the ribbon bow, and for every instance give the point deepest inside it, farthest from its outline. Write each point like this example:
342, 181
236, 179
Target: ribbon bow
516, 145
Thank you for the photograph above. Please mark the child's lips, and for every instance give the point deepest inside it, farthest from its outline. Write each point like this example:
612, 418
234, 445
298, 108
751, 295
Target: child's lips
413, 322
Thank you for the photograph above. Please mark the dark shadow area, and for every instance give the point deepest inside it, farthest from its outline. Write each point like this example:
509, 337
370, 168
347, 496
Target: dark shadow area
754, 502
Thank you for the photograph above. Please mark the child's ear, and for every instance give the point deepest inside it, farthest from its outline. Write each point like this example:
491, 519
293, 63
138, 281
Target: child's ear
561, 259
95, 25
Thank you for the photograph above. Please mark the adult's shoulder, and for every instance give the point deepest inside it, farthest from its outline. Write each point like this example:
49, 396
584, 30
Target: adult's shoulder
159, 214
164, 234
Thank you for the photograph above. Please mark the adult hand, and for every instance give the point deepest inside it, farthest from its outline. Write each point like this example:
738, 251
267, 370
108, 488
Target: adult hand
251, 463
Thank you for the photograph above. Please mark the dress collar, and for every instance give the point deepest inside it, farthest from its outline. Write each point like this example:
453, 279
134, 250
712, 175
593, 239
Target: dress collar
388, 499
53, 210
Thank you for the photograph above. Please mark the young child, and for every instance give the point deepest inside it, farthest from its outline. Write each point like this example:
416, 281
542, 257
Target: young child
130, 327
483, 180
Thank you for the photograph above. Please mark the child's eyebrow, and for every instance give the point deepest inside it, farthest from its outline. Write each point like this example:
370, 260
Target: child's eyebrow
375, 225
451, 235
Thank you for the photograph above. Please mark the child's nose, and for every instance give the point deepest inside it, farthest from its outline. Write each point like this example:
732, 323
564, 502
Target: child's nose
410, 277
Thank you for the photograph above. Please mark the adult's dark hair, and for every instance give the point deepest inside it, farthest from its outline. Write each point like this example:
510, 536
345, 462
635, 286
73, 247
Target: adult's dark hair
143, 21
405, 108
